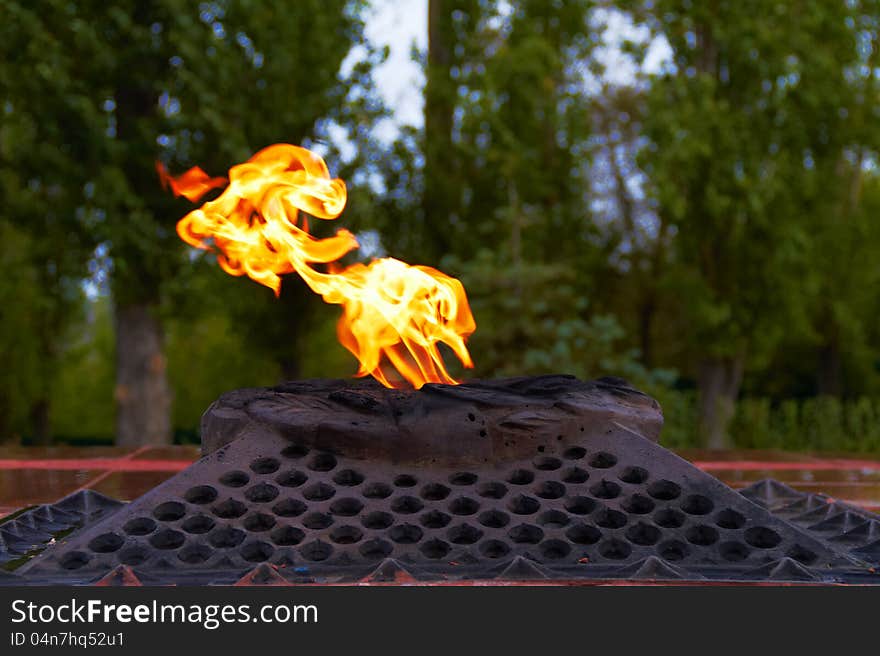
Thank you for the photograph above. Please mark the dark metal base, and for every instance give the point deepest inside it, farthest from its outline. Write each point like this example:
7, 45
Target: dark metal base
589, 502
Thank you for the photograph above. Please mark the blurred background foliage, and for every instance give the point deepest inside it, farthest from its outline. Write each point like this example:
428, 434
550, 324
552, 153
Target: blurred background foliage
702, 221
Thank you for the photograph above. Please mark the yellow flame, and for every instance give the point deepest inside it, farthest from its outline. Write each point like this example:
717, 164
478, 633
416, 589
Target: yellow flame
394, 315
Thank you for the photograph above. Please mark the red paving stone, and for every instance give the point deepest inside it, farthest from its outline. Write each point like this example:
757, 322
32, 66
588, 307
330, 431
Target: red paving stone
34, 475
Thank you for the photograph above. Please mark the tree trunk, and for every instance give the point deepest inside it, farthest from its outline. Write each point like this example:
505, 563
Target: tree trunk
646, 310
143, 397
40, 422
719, 380
439, 190
829, 379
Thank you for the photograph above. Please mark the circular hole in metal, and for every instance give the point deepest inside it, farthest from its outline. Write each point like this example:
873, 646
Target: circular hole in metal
346, 534
291, 478
521, 477
106, 543
434, 549
295, 451
170, 511
261, 493
553, 519
607, 518
226, 537
377, 520
673, 550
547, 463
197, 524
200, 494
167, 539
733, 551
265, 465
669, 518
435, 519
762, 537
697, 504
286, 536
464, 506
643, 534
464, 534
494, 548
139, 526
494, 519
346, 507
493, 490
526, 534
257, 552
638, 504
405, 480
730, 519
580, 505
375, 549
615, 549
603, 460
550, 490
134, 556
802, 554
193, 554
405, 533
235, 478
75, 560
258, 522
322, 462
554, 549
229, 509
605, 489
583, 534
317, 521
406, 505
377, 491
702, 535
435, 492
289, 508
463, 478
523, 505
575, 475
664, 490
348, 477
318, 492
574, 453
634, 475
316, 551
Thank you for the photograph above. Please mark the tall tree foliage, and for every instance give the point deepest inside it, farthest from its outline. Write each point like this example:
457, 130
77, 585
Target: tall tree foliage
205, 83
751, 98
48, 127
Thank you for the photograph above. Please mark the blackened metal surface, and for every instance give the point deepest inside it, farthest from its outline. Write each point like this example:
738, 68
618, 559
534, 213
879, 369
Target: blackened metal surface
265, 509
454, 424
31, 531
841, 526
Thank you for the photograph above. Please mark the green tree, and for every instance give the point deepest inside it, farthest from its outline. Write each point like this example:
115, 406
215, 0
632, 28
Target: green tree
205, 83
752, 94
46, 132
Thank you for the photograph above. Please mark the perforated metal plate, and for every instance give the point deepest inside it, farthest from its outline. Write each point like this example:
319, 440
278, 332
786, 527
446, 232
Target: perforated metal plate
30, 531
615, 506
841, 526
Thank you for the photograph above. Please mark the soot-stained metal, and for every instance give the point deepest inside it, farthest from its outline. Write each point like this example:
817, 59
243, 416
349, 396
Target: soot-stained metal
543, 478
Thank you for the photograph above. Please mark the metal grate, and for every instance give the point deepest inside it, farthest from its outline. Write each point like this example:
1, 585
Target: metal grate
617, 506
841, 526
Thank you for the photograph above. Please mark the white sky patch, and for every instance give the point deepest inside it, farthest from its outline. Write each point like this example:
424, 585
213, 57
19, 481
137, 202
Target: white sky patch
401, 25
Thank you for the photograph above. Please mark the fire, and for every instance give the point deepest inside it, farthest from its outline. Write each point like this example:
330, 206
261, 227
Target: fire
394, 315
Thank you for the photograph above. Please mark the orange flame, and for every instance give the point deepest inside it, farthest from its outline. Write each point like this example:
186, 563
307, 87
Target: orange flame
394, 315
